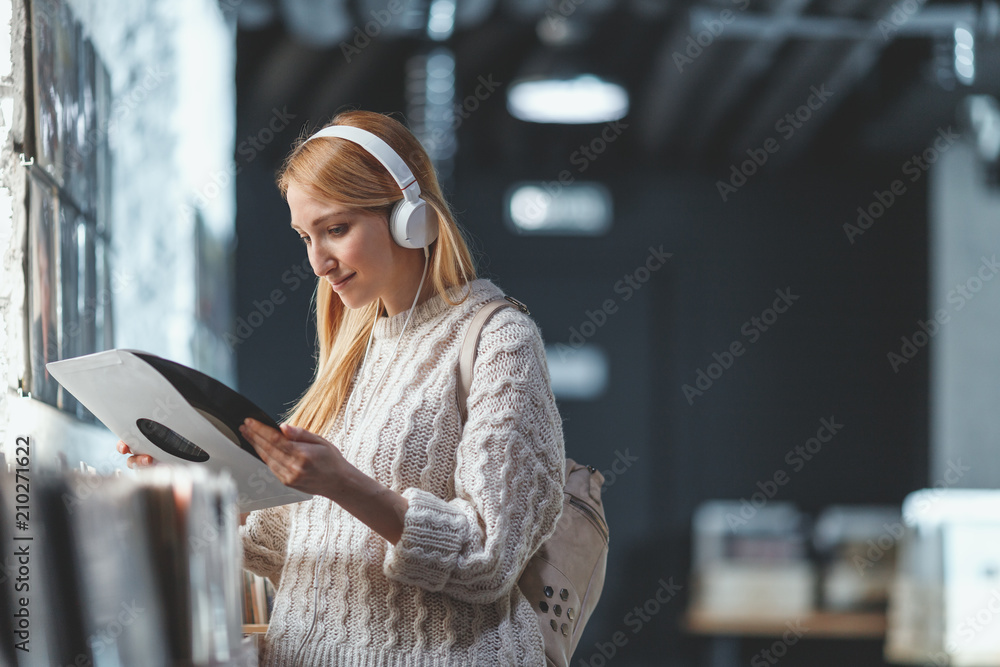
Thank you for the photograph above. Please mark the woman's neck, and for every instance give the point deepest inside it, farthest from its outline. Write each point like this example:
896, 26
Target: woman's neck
410, 279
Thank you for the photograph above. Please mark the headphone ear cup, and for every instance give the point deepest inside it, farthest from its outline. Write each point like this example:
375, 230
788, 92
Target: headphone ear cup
413, 225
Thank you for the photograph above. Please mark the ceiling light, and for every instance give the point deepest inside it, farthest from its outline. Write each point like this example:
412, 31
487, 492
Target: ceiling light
582, 99
441, 20
554, 209
579, 374
965, 56
982, 115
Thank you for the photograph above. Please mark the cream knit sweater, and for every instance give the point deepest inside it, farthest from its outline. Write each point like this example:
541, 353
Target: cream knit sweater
481, 499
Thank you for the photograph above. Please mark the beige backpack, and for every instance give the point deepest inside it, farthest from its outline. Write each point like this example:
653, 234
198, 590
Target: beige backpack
563, 580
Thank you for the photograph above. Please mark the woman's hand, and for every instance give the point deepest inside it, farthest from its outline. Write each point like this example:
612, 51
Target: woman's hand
307, 462
135, 460
299, 459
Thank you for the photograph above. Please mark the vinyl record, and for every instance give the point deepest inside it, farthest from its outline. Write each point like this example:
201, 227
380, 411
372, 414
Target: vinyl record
215, 401
175, 414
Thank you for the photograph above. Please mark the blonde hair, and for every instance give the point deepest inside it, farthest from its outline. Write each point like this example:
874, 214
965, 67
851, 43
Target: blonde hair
340, 171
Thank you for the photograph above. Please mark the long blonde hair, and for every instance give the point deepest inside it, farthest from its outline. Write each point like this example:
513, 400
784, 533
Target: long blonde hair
340, 171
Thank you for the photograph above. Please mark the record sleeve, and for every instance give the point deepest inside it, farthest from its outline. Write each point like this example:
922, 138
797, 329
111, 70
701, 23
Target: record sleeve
175, 414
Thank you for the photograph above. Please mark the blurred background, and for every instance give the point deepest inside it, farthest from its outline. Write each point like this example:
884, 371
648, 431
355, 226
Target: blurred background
759, 237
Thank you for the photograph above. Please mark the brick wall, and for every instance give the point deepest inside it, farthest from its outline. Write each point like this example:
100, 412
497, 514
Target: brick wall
170, 133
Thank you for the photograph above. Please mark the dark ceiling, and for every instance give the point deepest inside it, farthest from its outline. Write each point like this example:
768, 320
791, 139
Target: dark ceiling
886, 66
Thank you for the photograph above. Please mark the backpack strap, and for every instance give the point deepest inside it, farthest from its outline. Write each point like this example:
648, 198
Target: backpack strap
467, 356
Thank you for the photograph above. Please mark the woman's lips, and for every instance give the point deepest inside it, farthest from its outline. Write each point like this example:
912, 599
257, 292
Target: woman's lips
340, 285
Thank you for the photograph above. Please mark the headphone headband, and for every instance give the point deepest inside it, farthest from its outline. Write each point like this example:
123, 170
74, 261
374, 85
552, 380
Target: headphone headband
409, 222
381, 151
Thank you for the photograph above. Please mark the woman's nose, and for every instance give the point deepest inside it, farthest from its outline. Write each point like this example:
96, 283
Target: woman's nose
322, 260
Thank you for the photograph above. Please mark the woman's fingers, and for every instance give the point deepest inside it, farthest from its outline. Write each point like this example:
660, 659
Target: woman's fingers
301, 435
260, 435
270, 444
134, 460
298, 458
278, 444
140, 461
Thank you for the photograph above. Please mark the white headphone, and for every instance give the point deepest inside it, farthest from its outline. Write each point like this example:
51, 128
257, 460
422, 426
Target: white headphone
409, 222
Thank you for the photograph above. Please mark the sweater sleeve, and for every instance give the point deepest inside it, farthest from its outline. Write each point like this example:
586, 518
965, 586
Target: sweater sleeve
508, 480
265, 540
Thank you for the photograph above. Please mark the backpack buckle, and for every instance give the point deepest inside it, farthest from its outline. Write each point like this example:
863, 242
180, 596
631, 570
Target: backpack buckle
520, 306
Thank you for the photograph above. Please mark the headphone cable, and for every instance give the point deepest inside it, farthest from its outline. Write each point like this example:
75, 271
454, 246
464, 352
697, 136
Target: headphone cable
326, 524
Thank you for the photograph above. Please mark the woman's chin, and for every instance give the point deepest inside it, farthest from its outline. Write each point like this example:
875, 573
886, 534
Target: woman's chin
352, 302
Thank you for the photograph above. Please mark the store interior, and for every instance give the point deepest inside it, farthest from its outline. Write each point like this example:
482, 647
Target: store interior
758, 238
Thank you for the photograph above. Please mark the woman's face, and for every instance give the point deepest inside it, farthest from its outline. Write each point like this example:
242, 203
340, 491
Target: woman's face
354, 252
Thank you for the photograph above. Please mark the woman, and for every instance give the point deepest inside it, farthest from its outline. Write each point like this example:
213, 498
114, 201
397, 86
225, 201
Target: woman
420, 524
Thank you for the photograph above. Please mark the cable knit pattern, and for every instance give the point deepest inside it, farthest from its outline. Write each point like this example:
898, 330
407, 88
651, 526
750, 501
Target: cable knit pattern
481, 500
265, 537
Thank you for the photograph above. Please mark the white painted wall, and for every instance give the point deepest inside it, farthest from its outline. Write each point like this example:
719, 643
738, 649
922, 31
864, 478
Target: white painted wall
965, 351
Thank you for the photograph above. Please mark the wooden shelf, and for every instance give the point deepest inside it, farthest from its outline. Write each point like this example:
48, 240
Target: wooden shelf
856, 625
255, 628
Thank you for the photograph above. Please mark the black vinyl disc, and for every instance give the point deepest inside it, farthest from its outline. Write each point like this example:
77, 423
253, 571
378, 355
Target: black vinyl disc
170, 441
210, 396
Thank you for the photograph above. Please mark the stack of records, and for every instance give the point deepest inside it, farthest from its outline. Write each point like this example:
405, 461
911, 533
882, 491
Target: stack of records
122, 571
258, 599
944, 605
751, 562
857, 544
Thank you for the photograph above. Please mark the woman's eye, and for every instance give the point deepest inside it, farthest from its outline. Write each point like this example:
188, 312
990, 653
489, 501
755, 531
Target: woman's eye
304, 239
339, 230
